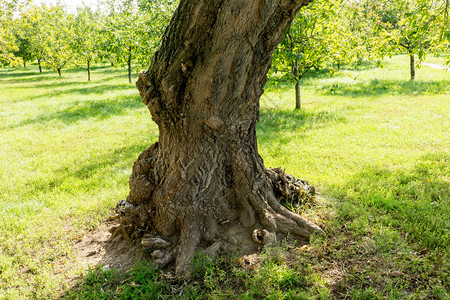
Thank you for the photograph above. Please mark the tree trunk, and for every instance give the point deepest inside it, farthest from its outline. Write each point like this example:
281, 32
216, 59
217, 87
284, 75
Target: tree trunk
412, 66
203, 185
59, 72
40, 67
129, 66
298, 102
89, 70
24, 64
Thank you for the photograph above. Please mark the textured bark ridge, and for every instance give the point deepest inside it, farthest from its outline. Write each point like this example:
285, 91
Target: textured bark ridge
203, 186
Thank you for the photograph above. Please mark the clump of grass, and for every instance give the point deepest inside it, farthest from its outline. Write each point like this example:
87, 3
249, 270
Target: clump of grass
141, 282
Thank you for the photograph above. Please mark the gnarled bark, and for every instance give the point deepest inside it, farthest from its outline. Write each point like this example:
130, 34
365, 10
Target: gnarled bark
204, 185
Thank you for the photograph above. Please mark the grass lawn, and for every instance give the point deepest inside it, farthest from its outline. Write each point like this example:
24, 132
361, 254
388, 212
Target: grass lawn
375, 145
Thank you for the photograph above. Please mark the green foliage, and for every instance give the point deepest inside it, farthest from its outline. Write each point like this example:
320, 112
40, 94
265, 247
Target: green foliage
126, 32
85, 39
324, 32
133, 30
30, 29
48, 31
313, 38
7, 39
8, 33
416, 27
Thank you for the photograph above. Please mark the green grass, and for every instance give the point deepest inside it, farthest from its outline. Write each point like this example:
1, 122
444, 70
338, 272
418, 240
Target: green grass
67, 148
375, 145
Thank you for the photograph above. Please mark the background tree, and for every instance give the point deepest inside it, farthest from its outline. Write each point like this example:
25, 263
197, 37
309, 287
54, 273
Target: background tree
31, 24
23, 42
365, 41
159, 13
441, 41
85, 40
56, 34
406, 24
7, 39
203, 185
127, 35
316, 36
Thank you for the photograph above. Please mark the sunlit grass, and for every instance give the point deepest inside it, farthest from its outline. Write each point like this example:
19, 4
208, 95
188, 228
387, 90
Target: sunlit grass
378, 145
374, 144
66, 155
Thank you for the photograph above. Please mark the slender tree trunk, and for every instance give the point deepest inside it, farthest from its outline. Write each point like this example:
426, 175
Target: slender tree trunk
298, 103
39, 64
129, 65
203, 185
24, 64
89, 70
59, 72
412, 66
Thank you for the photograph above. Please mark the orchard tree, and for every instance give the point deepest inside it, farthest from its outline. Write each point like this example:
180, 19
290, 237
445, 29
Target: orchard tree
56, 34
365, 42
31, 24
8, 43
159, 13
127, 35
203, 186
24, 47
406, 24
107, 43
85, 39
315, 37
441, 41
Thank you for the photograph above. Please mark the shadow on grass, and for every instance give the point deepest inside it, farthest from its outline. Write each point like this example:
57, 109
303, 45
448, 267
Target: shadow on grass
100, 89
98, 109
93, 172
146, 283
50, 81
24, 77
415, 202
84, 88
274, 123
286, 81
381, 87
378, 257
13, 73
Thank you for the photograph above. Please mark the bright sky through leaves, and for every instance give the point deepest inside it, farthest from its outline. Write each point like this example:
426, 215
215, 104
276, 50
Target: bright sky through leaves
71, 4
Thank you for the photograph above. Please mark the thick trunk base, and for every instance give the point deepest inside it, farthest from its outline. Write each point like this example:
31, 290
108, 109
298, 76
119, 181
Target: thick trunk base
203, 186
234, 213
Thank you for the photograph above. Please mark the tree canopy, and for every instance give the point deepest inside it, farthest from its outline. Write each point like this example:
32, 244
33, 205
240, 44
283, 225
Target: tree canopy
325, 34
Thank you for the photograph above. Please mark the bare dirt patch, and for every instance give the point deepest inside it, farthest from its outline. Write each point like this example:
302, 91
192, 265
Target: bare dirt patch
99, 248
